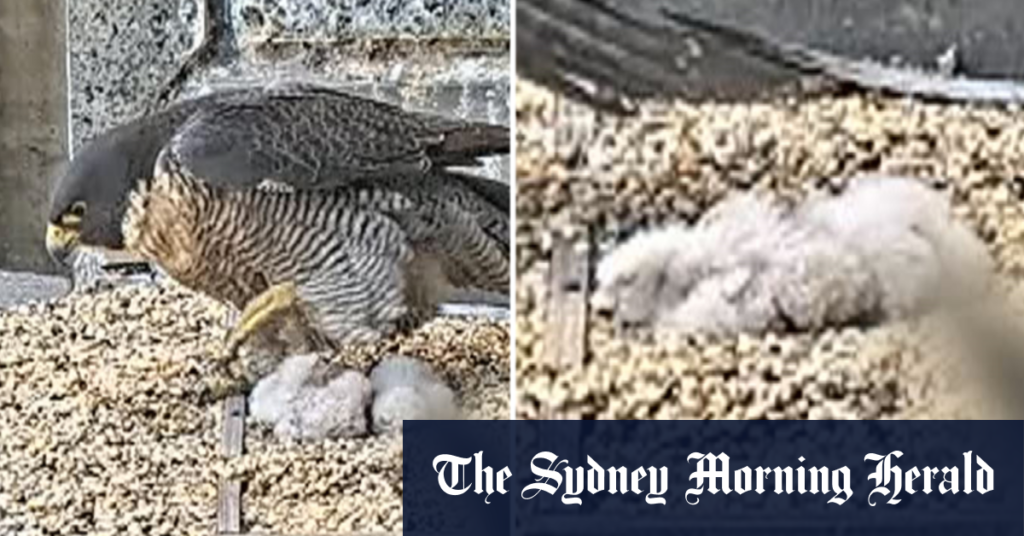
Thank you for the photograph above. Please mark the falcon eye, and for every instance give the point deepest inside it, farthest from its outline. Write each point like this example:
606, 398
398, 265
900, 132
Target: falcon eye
74, 214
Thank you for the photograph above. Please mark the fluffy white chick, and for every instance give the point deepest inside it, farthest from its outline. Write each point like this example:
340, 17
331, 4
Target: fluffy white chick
883, 249
406, 389
271, 398
919, 254
301, 410
632, 278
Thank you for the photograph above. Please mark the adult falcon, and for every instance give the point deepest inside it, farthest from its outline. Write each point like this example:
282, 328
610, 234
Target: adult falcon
298, 199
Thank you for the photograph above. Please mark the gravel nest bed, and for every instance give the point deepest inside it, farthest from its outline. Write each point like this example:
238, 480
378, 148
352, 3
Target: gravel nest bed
108, 426
578, 169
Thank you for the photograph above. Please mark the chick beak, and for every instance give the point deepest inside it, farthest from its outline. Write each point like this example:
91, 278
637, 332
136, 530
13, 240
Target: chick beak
61, 243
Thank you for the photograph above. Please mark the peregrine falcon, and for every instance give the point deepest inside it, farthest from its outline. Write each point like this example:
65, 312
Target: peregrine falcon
300, 199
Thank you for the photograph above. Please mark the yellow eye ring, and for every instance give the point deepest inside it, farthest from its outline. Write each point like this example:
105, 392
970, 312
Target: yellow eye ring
73, 216
77, 209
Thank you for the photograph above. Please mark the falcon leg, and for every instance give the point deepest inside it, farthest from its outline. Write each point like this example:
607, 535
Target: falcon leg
261, 311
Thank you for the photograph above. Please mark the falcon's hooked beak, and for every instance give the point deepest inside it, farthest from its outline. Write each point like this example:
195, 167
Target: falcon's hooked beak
64, 233
61, 242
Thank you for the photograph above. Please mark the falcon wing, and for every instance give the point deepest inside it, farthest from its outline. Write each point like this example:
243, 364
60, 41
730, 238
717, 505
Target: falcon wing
311, 138
455, 226
495, 192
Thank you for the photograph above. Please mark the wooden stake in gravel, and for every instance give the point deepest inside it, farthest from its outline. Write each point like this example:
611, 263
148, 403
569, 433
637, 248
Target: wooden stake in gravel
229, 500
569, 280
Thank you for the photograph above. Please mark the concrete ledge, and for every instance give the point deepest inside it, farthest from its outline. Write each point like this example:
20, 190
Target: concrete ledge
21, 288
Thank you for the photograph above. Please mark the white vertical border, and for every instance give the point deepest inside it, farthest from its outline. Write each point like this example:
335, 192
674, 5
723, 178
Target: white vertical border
512, 187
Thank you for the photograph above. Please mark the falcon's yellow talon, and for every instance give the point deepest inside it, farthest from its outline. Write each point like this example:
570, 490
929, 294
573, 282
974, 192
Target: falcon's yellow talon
260, 311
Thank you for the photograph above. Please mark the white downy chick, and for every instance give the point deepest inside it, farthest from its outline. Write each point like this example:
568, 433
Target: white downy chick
917, 251
886, 248
406, 389
301, 410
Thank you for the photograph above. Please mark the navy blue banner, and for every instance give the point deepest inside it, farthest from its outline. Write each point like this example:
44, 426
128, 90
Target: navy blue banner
719, 477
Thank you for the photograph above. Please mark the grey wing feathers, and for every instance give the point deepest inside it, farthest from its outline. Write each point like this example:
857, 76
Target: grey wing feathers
495, 192
460, 227
363, 293
318, 138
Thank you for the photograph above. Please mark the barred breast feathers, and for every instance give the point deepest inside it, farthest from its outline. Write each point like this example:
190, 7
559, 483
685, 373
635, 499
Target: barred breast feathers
160, 222
362, 258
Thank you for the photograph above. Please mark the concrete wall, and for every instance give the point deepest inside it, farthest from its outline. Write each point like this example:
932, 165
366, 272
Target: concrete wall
33, 125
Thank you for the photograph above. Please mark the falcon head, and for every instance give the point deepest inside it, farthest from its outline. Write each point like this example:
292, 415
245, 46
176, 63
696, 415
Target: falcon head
90, 197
